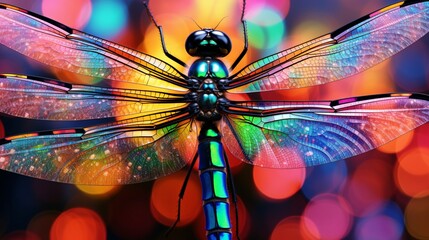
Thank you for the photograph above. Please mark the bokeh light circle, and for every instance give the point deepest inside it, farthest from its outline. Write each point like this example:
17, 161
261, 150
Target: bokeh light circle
330, 214
292, 228
108, 18
326, 178
385, 223
378, 227
266, 28
102, 191
398, 144
278, 183
165, 195
175, 34
74, 13
78, 223
410, 71
417, 217
412, 171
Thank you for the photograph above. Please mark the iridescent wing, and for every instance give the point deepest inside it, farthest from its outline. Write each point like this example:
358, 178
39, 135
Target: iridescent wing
347, 51
59, 46
301, 134
92, 135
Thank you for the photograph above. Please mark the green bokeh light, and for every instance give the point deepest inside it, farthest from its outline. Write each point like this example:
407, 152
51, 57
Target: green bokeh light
266, 29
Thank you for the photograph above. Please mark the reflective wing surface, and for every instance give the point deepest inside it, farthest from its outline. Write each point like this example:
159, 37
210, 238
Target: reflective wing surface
59, 46
301, 134
92, 135
39, 98
122, 157
347, 51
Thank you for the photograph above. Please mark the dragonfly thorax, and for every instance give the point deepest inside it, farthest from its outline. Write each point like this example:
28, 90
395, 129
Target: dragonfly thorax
208, 73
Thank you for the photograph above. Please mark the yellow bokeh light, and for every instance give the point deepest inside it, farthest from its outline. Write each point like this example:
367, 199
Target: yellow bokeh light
98, 190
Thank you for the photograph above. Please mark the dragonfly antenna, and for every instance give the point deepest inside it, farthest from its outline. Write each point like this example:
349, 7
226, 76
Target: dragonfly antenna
196, 24
219, 22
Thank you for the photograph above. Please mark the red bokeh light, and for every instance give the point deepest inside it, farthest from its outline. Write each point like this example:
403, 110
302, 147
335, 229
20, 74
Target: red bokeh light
278, 183
165, 194
78, 223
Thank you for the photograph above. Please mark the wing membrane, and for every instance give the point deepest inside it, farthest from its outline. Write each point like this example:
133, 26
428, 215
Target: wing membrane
300, 134
122, 157
347, 51
59, 46
46, 99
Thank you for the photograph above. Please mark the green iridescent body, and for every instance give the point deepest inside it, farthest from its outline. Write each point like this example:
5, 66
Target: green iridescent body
213, 180
212, 168
208, 71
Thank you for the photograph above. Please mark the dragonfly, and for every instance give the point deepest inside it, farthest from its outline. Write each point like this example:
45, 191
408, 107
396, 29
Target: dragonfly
145, 119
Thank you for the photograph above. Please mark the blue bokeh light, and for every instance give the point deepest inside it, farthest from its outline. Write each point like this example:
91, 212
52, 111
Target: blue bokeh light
325, 179
108, 18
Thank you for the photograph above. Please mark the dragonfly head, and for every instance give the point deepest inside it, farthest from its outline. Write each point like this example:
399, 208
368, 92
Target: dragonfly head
208, 43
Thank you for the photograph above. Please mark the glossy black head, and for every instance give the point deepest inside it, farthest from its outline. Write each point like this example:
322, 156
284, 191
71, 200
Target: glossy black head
208, 43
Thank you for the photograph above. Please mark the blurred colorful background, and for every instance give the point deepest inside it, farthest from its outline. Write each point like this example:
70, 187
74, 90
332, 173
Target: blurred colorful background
383, 194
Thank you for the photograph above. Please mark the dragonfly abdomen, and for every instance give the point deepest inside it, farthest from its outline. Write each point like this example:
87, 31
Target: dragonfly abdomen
213, 176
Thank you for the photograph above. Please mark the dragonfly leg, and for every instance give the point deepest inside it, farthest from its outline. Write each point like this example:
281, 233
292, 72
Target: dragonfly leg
161, 34
181, 194
244, 24
234, 194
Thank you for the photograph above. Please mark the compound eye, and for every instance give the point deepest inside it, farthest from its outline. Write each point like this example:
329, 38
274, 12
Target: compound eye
218, 33
200, 32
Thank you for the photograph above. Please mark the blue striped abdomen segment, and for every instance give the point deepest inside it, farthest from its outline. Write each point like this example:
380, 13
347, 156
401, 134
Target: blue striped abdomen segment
213, 180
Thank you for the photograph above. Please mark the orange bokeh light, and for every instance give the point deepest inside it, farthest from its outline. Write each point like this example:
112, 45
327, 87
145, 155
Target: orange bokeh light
398, 144
278, 183
78, 223
165, 194
98, 190
412, 171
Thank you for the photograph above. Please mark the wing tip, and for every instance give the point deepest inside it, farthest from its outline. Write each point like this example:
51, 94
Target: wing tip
420, 96
405, 3
38, 16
